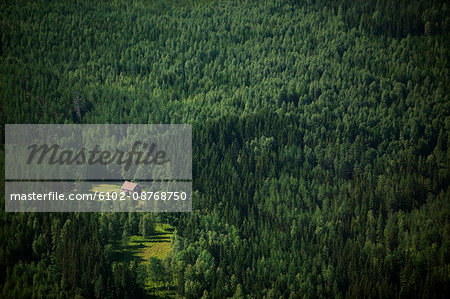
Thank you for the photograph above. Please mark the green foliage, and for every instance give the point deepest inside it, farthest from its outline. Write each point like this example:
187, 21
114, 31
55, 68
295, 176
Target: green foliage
146, 226
321, 146
156, 270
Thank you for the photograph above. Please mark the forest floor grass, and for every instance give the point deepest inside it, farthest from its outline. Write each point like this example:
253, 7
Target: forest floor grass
106, 188
139, 248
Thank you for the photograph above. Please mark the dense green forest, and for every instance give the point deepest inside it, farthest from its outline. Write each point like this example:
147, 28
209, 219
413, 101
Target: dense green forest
321, 144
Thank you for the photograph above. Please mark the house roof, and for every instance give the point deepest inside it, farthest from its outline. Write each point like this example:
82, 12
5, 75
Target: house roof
129, 186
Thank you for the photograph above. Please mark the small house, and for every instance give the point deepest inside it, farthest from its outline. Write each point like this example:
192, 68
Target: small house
131, 187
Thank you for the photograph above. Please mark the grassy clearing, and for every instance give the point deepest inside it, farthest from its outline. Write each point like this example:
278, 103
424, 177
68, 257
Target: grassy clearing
138, 248
114, 188
106, 188
141, 249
